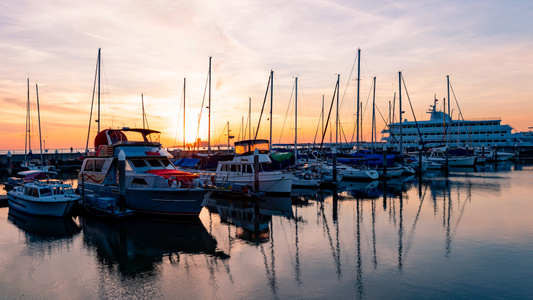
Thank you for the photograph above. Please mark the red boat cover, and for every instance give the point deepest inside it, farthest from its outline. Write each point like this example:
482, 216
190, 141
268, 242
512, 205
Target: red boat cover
115, 135
179, 175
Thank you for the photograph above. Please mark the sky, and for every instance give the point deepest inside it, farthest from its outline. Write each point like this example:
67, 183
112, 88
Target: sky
149, 47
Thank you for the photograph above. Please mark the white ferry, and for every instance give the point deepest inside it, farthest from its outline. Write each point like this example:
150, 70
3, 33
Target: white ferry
441, 129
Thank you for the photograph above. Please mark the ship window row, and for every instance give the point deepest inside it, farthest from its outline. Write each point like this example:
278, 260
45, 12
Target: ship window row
461, 141
447, 125
455, 133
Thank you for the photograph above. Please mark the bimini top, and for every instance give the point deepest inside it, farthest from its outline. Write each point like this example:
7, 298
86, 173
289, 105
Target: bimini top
247, 147
126, 135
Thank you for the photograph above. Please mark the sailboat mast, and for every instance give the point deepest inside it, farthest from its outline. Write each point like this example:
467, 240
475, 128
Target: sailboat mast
228, 137
249, 118
296, 120
337, 113
98, 66
449, 102
209, 113
184, 85
39, 120
322, 113
27, 140
400, 113
142, 103
374, 114
358, 83
271, 102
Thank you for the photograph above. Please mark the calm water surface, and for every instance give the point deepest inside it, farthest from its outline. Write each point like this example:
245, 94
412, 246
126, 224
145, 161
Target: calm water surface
469, 235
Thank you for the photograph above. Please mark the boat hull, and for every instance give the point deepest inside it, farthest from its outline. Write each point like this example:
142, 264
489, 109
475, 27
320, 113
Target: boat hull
155, 201
41, 208
359, 174
273, 184
454, 161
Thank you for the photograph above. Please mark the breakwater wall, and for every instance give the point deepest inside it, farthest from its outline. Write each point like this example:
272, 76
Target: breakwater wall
61, 160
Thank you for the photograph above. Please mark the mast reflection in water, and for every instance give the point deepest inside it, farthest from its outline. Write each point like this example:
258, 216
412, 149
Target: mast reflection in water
466, 235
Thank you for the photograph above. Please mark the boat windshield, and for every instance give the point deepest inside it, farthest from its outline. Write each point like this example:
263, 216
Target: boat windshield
243, 148
159, 163
45, 192
142, 165
137, 136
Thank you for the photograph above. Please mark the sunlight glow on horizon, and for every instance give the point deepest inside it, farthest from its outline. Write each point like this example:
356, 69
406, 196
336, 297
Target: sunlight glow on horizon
149, 49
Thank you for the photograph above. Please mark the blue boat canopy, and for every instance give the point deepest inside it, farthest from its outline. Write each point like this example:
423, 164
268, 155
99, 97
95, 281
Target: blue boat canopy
187, 162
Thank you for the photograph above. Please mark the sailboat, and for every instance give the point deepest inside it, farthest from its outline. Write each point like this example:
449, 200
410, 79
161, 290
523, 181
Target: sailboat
27, 164
31, 171
45, 197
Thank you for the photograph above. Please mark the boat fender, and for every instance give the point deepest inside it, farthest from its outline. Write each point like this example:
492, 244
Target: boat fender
213, 179
307, 176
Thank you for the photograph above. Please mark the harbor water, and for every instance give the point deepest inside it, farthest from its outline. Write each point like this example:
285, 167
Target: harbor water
462, 236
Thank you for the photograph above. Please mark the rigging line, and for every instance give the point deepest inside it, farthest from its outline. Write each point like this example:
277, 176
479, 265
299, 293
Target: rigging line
412, 110
318, 126
201, 109
469, 197
92, 104
413, 227
262, 108
145, 118
391, 133
329, 114
312, 120
286, 114
383, 118
178, 123
348, 82
469, 129
217, 142
344, 134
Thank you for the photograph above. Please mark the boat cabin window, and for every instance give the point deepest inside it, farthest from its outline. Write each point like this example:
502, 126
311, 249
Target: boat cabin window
89, 165
247, 169
45, 192
99, 165
139, 165
128, 166
159, 163
57, 190
166, 163
262, 146
234, 168
265, 167
154, 163
68, 190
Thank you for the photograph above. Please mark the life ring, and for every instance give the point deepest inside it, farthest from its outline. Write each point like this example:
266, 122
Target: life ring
174, 183
307, 176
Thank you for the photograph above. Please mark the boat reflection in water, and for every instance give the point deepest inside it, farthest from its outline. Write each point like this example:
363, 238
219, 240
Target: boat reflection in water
42, 229
139, 247
357, 189
252, 217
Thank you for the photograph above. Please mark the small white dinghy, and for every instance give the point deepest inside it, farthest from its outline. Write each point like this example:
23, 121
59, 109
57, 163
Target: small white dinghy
43, 198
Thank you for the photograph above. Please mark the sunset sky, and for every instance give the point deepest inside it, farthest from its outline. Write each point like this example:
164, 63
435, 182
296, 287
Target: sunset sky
149, 47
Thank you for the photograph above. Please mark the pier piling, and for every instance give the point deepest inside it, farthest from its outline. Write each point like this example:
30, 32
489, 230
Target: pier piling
9, 164
122, 181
